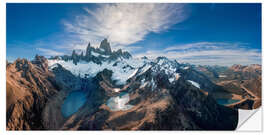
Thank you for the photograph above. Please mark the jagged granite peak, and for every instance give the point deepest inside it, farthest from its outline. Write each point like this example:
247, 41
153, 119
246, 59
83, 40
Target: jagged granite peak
75, 57
88, 50
81, 54
105, 45
96, 55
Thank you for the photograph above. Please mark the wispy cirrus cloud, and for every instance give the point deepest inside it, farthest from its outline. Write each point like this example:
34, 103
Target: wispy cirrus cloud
201, 45
124, 24
209, 53
49, 52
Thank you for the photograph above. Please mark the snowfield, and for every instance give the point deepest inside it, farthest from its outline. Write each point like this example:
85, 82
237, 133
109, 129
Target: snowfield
122, 71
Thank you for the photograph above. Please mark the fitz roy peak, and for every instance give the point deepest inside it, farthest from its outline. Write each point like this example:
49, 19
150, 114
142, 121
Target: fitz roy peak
96, 55
105, 45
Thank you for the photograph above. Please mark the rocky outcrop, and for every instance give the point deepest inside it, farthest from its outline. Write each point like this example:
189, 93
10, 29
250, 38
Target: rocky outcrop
88, 50
105, 45
29, 85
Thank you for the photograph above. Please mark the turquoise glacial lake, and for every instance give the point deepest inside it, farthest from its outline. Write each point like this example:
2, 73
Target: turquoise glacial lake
74, 101
226, 101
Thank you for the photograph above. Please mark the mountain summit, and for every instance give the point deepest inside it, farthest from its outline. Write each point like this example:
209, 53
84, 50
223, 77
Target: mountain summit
96, 55
105, 45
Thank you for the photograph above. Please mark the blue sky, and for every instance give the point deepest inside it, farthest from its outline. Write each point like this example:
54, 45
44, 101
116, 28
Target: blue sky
208, 34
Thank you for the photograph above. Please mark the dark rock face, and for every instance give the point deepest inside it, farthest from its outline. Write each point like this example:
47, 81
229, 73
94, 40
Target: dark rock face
75, 57
105, 45
204, 110
88, 50
203, 80
66, 78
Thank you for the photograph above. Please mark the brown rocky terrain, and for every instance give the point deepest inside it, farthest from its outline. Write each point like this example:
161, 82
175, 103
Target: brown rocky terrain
29, 85
238, 82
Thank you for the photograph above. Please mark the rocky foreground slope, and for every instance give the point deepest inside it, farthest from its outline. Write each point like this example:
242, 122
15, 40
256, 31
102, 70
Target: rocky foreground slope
110, 90
29, 86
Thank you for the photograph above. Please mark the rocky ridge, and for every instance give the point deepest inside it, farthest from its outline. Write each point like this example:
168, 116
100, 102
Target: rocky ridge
29, 86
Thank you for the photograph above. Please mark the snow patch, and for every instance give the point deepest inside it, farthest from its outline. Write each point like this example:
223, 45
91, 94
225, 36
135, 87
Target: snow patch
116, 89
171, 79
222, 76
101, 49
105, 56
144, 69
119, 103
53, 66
153, 84
194, 83
143, 83
133, 73
95, 54
185, 68
175, 77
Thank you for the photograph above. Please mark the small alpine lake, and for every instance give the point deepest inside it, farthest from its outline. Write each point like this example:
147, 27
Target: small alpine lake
73, 102
226, 101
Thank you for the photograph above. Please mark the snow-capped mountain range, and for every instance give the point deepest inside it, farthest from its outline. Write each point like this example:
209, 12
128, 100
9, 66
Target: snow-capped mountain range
105, 89
123, 65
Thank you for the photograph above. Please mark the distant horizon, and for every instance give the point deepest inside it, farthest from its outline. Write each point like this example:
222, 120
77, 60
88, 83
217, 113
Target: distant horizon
79, 51
198, 34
